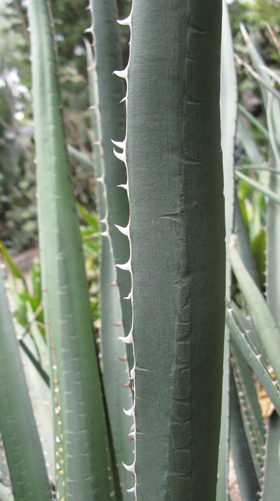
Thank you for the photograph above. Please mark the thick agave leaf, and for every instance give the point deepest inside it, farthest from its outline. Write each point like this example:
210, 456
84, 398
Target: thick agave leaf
40, 395
173, 158
114, 360
111, 92
25, 460
228, 103
250, 409
245, 472
82, 460
271, 487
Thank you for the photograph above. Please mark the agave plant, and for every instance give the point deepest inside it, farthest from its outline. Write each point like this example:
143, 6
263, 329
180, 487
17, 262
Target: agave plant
156, 244
158, 168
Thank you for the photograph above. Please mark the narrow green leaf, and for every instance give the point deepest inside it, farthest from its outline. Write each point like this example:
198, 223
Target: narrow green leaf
223, 463
259, 79
80, 157
40, 395
239, 335
90, 219
250, 146
80, 429
114, 360
111, 91
251, 332
273, 214
228, 103
262, 317
242, 242
254, 121
258, 167
262, 189
25, 460
11, 264
36, 281
269, 118
257, 61
245, 472
271, 488
250, 409
36, 363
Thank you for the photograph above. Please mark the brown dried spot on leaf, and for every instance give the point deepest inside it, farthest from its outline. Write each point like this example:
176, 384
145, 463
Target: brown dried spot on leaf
265, 402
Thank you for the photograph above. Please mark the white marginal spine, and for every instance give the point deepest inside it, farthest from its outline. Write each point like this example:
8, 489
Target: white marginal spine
127, 266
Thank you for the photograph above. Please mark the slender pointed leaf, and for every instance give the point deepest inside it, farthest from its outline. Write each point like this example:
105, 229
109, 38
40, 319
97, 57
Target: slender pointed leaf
262, 317
242, 242
115, 368
262, 189
18, 429
111, 91
80, 157
79, 424
228, 102
11, 264
248, 142
254, 361
245, 472
254, 121
272, 464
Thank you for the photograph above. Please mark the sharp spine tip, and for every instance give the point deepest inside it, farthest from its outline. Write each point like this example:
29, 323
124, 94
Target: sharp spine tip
126, 21
123, 230
121, 73
125, 266
119, 144
120, 156
130, 467
132, 490
129, 412
124, 186
127, 339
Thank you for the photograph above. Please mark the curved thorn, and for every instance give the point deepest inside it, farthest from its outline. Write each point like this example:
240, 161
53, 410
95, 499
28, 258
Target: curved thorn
126, 21
125, 266
124, 186
124, 99
129, 412
129, 296
121, 73
119, 144
130, 468
132, 490
127, 339
120, 156
123, 230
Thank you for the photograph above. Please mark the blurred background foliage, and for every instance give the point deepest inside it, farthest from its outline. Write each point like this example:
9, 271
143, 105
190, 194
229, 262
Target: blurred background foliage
18, 225
262, 21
